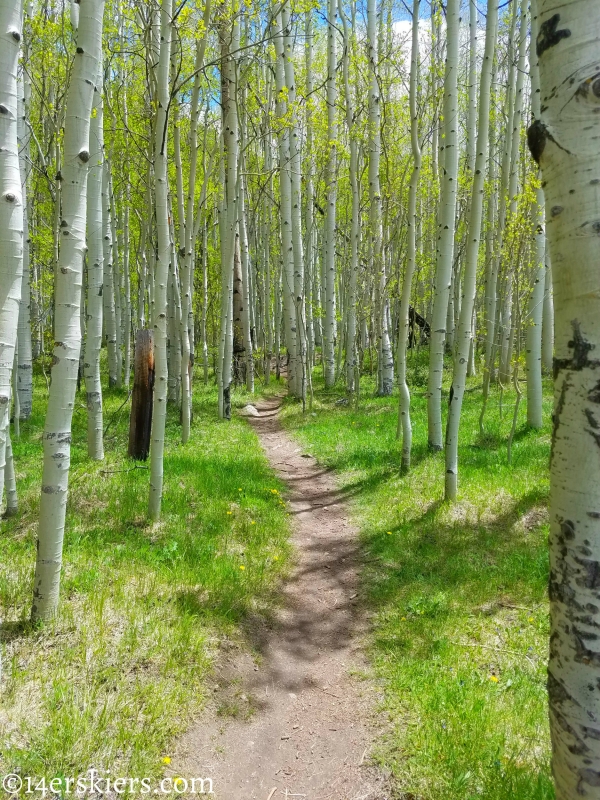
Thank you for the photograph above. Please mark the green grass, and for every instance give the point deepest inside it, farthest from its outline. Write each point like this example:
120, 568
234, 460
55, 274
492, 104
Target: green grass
457, 592
122, 669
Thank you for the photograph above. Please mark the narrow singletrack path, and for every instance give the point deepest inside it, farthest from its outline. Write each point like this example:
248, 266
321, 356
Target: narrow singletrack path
310, 733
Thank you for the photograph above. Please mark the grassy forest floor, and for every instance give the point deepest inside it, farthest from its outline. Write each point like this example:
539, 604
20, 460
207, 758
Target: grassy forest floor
456, 593
143, 607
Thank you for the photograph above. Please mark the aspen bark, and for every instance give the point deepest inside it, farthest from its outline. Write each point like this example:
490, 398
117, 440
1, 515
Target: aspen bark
404, 423
351, 350
329, 328
24, 360
465, 327
533, 350
564, 143
285, 187
159, 321
443, 278
57, 429
11, 214
95, 267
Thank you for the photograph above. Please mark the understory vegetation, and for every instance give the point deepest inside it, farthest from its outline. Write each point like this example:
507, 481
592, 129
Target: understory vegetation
122, 668
457, 592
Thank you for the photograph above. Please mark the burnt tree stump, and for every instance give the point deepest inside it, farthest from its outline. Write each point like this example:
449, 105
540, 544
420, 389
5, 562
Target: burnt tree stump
140, 421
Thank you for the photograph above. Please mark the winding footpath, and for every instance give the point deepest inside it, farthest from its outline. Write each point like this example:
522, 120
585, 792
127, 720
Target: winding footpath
309, 734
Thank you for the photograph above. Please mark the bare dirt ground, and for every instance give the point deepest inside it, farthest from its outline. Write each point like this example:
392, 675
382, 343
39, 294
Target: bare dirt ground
297, 721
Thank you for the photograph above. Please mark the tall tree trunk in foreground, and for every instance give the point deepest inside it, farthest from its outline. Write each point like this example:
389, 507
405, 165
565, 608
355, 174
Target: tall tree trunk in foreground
565, 144
57, 430
404, 410
161, 273
443, 277
11, 213
465, 326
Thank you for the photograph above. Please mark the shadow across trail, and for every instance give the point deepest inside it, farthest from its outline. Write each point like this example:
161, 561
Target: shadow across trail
294, 720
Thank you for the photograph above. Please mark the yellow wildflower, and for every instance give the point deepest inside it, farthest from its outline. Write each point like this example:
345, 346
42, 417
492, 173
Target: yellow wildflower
166, 760
494, 678
242, 567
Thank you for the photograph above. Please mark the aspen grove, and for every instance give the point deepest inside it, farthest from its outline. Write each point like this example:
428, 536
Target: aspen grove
289, 192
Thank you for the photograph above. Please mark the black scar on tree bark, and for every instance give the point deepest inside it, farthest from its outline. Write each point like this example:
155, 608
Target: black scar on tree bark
549, 35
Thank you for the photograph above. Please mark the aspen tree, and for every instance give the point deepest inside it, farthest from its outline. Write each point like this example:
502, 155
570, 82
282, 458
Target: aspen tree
533, 351
329, 328
108, 295
285, 189
11, 213
385, 366
24, 351
443, 276
229, 34
465, 328
309, 191
294, 170
564, 143
187, 271
404, 423
548, 319
159, 320
57, 429
506, 328
491, 295
351, 354
93, 340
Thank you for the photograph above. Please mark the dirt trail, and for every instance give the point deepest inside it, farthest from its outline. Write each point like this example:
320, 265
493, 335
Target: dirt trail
309, 735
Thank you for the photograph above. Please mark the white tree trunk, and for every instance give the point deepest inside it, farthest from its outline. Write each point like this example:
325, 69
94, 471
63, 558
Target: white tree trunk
161, 272
465, 326
548, 320
351, 349
404, 423
565, 144
329, 328
285, 183
294, 170
506, 331
229, 37
533, 350
24, 361
11, 213
57, 430
108, 295
95, 267
443, 278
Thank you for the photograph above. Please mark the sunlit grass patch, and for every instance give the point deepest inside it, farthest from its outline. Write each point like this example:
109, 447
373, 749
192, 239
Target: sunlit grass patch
111, 681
